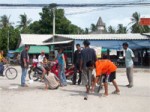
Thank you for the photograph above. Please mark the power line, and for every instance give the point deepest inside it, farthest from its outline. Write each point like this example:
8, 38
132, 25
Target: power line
79, 5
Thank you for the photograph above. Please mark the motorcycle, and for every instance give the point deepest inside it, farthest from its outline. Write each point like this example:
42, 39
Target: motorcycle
35, 73
69, 71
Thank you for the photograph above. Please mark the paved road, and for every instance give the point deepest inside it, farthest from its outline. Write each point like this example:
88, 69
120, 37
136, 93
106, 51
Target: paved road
13, 98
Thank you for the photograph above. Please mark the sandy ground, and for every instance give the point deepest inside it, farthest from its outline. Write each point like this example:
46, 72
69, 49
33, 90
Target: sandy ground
13, 98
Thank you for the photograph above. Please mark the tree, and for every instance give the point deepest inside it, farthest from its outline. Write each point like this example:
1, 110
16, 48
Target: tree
121, 29
136, 27
45, 24
4, 21
86, 30
24, 23
111, 29
93, 27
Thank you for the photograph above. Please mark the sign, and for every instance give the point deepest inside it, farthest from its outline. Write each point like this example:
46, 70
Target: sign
145, 21
97, 50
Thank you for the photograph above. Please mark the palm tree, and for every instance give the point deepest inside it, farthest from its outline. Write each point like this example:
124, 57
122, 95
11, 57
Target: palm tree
136, 27
86, 30
4, 21
121, 29
24, 22
111, 29
93, 27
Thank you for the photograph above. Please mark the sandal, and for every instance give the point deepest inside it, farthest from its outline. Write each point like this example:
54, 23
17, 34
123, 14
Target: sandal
103, 95
115, 92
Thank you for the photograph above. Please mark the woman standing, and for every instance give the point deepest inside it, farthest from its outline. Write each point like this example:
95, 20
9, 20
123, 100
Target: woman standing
61, 67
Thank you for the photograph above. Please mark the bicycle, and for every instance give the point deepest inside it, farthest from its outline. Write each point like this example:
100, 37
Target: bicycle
10, 72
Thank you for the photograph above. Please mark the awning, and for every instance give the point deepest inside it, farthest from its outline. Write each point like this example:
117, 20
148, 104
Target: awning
35, 49
19, 49
38, 49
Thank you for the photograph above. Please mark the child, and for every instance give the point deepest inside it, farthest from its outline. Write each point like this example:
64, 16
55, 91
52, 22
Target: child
107, 69
34, 61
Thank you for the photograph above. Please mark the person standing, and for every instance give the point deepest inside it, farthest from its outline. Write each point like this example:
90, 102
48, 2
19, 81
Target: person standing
61, 67
24, 59
76, 61
87, 54
129, 55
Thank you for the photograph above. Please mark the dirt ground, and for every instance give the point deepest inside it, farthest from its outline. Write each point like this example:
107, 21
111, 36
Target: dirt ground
14, 98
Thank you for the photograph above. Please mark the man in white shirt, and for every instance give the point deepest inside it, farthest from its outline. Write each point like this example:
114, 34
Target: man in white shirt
129, 55
40, 63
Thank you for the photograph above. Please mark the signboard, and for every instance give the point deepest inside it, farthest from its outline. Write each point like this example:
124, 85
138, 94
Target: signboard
145, 21
98, 51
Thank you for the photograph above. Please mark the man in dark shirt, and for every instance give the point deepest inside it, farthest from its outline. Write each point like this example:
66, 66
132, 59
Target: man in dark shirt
24, 61
87, 54
77, 58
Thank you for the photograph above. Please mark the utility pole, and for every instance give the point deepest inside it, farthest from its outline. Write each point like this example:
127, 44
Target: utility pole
8, 41
53, 23
53, 6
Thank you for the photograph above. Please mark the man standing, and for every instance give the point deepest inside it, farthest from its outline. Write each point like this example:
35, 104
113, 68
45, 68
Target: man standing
77, 58
24, 59
129, 55
87, 54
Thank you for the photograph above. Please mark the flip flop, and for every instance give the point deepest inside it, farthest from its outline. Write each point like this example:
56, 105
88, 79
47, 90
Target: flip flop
115, 92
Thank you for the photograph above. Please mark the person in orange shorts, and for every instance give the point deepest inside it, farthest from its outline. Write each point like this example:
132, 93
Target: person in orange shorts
107, 70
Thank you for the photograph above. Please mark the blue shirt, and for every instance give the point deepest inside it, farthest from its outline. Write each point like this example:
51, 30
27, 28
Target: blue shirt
128, 57
60, 59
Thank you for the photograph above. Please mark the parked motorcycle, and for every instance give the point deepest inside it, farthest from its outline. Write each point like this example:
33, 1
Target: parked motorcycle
35, 73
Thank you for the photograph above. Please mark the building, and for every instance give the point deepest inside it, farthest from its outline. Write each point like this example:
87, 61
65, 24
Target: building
100, 27
137, 42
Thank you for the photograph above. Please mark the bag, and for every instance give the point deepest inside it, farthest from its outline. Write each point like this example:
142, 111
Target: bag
52, 81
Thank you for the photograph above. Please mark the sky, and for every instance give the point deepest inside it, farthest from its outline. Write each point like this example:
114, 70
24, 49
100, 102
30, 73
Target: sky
82, 17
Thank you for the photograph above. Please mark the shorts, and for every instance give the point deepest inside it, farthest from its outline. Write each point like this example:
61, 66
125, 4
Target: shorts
87, 77
109, 78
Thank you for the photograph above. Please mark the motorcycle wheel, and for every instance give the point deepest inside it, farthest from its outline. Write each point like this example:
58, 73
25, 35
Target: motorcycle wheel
33, 75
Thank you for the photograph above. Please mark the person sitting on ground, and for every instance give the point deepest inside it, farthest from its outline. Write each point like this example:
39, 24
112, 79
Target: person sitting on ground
105, 68
51, 81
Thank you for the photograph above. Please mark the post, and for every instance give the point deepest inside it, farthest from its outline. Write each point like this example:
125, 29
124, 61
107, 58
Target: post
53, 23
8, 42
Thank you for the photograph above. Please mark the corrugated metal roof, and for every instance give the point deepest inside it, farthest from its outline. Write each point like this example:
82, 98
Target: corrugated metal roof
38, 39
107, 36
60, 42
33, 39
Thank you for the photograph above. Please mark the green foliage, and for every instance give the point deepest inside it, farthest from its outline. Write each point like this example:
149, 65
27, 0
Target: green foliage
12, 34
136, 27
111, 30
121, 29
93, 27
4, 21
62, 24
